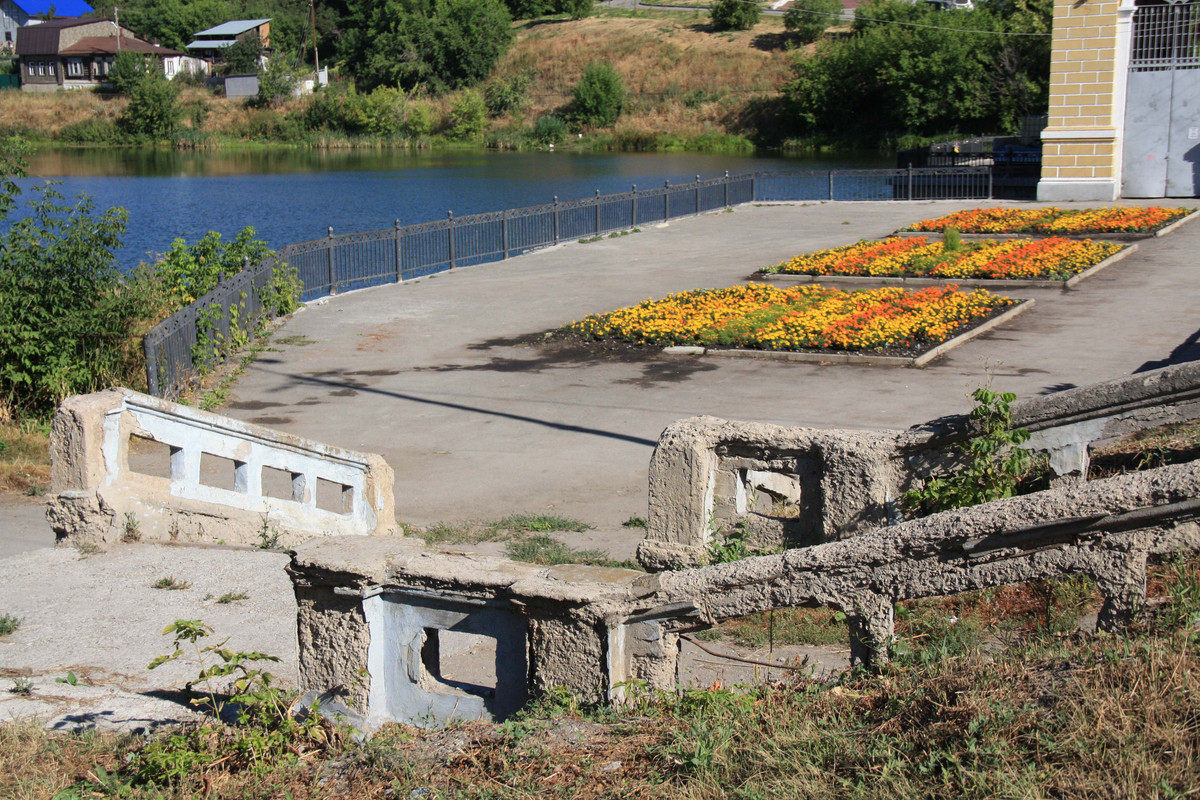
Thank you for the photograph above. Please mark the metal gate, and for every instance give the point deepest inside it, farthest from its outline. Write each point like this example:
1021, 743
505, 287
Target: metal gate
1162, 107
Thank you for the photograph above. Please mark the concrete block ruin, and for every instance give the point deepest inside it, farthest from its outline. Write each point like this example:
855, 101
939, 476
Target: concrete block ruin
378, 617
122, 460
799, 486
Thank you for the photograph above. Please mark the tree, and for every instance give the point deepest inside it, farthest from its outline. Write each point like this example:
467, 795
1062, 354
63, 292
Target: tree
735, 15
576, 9
153, 109
807, 20
277, 80
599, 97
65, 318
437, 44
128, 70
242, 57
468, 117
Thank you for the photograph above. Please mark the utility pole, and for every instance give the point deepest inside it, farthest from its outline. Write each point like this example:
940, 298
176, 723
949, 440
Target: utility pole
312, 12
117, 22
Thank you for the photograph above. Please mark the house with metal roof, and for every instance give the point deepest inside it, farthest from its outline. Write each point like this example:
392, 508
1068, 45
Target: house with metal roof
210, 44
77, 53
16, 14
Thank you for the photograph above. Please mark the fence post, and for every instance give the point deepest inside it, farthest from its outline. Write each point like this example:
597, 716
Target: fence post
329, 258
633, 218
697, 195
726, 188
910, 176
991, 175
753, 188
597, 212
556, 219
667, 200
450, 231
151, 366
504, 233
831, 184
400, 263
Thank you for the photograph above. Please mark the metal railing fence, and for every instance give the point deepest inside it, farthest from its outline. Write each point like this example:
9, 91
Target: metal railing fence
344, 262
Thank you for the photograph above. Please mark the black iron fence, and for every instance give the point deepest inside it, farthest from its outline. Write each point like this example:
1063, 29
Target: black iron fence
204, 333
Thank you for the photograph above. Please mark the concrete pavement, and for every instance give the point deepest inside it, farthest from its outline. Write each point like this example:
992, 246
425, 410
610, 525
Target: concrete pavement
438, 377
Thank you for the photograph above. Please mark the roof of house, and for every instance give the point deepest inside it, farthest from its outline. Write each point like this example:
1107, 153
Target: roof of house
107, 45
201, 43
42, 39
233, 27
61, 8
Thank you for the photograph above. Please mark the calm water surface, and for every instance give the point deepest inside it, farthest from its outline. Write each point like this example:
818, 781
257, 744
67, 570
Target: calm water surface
295, 196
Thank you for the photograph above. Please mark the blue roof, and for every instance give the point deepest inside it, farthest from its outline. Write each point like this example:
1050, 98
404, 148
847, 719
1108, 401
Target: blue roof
232, 28
62, 8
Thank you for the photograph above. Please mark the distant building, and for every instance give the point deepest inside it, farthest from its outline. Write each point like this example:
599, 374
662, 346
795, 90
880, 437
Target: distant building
210, 44
16, 14
78, 53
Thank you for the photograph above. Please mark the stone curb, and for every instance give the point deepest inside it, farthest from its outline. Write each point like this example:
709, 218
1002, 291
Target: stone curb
859, 358
1177, 223
994, 284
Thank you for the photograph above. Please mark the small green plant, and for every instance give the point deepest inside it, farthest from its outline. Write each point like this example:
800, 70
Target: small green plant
87, 548
9, 624
995, 463
734, 545
635, 522
132, 531
22, 686
169, 583
549, 551
232, 597
71, 680
269, 536
952, 239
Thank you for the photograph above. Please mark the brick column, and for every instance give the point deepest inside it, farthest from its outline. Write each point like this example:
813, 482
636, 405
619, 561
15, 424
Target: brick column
1081, 147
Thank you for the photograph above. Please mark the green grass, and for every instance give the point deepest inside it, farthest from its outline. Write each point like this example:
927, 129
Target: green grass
9, 624
169, 583
510, 527
232, 597
546, 550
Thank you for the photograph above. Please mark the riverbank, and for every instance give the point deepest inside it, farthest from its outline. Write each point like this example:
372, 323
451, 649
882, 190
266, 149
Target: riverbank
687, 89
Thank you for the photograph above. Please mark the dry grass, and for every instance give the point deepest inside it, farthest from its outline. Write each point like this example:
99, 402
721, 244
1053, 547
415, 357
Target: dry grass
681, 77
42, 115
24, 457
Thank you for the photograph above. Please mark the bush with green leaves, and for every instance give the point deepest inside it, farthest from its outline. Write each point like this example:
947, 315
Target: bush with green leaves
128, 70
735, 15
549, 129
153, 111
66, 319
599, 97
187, 271
468, 116
506, 95
806, 20
243, 56
277, 80
993, 463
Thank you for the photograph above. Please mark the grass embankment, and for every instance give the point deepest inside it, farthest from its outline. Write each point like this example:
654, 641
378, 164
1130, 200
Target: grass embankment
687, 87
967, 709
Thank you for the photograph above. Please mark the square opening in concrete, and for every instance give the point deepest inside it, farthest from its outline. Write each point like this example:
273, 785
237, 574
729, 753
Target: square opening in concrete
282, 484
463, 661
218, 472
335, 497
148, 457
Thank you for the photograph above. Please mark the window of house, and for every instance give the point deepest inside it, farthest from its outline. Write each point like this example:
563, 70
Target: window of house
169, 67
40, 66
75, 67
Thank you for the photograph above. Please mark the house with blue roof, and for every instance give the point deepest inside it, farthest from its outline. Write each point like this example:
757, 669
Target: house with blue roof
16, 14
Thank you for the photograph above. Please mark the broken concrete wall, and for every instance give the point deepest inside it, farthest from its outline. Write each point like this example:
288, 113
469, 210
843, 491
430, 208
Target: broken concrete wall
213, 482
787, 487
434, 637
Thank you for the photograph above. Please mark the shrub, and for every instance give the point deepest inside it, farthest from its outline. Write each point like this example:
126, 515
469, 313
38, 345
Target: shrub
549, 129
153, 109
576, 9
91, 131
599, 97
420, 120
505, 96
468, 116
276, 81
807, 20
735, 15
189, 271
128, 70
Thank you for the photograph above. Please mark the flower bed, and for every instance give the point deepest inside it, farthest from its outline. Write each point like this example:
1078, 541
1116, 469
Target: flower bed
762, 317
1054, 258
1055, 220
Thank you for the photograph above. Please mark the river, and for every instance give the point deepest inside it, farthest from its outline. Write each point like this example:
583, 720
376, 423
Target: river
293, 196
